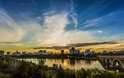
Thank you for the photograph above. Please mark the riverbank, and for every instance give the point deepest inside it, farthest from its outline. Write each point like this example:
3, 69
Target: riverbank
57, 56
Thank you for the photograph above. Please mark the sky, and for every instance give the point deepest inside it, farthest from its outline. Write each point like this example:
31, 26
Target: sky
32, 23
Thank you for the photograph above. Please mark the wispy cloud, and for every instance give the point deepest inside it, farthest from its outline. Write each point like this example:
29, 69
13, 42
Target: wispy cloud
9, 29
91, 23
100, 31
51, 32
73, 14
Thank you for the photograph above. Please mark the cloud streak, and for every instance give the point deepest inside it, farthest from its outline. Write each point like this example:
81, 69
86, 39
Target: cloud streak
73, 14
9, 29
51, 32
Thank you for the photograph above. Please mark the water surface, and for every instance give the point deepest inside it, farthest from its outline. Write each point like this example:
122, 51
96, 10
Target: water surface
68, 63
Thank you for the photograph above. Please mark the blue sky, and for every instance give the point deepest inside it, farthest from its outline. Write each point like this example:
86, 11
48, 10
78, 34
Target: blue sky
60, 22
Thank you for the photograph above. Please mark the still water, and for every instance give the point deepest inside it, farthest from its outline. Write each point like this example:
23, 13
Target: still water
69, 63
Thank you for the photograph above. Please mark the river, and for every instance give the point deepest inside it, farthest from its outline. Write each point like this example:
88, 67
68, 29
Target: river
69, 63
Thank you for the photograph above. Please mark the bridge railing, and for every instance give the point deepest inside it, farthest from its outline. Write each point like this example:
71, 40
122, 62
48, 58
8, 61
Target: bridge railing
111, 56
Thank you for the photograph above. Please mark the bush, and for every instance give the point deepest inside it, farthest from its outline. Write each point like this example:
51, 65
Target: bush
2, 75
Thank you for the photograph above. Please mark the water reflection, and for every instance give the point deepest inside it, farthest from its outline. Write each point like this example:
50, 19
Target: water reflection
69, 63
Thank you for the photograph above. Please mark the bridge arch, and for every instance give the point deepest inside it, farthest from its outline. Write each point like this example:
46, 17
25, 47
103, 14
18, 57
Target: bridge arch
117, 62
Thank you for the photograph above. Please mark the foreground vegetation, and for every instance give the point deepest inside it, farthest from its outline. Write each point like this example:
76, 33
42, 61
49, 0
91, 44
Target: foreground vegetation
12, 68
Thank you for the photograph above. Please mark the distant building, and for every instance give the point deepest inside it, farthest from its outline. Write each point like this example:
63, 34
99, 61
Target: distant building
1, 53
77, 51
13, 53
17, 53
24, 53
62, 51
8, 53
74, 51
42, 52
88, 52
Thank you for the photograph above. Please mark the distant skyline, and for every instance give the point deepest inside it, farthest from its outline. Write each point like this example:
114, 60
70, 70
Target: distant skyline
32, 23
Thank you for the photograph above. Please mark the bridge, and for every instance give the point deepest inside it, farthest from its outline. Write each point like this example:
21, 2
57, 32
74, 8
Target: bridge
115, 62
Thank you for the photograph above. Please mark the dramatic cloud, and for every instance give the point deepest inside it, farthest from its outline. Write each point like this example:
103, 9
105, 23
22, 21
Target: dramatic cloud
56, 33
51, 32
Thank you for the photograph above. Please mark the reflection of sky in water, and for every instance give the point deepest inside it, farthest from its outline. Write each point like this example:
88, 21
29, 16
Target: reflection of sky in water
67, 63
